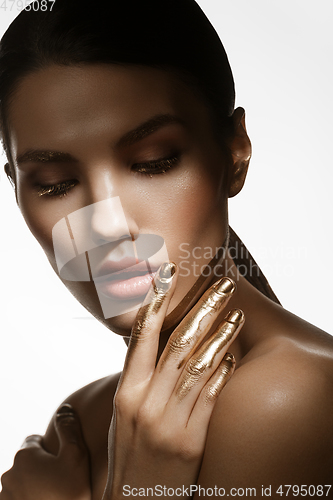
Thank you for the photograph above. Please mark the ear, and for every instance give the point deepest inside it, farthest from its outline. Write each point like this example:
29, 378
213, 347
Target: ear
8, 172
241, 151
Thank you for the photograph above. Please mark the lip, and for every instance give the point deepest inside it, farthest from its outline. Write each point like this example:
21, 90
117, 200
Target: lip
124, 279
127, 264
130, 287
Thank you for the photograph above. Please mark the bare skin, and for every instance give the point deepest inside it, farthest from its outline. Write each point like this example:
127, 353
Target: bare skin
272, 423
276, 408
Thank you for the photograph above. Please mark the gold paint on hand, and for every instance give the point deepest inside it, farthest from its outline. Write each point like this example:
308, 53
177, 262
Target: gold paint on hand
223, 373
191, 329
154, 299
205, 357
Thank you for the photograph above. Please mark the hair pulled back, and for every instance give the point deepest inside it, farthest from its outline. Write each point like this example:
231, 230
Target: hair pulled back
167, 34
173, 34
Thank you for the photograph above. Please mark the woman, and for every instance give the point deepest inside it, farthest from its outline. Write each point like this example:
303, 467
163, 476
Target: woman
199, 156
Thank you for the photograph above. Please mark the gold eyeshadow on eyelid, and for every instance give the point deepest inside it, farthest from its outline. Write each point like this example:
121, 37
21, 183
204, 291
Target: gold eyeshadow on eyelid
60, 189
160, 166
155, 167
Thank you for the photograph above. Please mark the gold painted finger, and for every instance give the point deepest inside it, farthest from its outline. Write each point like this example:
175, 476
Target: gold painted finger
222, 375
204, 359
198, 322
154, 300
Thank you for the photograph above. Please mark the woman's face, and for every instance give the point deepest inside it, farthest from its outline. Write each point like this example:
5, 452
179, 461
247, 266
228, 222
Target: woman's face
105, 156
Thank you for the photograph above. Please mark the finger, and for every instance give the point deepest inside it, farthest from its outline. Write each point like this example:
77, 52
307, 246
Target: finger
198, 321
187, 336
201, 366
205, 403
147, 326
33, 441
68, 428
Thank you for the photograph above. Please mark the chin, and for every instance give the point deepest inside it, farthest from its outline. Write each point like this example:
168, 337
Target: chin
119, 323
124, 312
122, 324
119, 315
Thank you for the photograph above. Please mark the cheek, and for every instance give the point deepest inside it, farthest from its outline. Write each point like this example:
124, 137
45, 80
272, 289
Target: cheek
40, 216
40, 223
191, 209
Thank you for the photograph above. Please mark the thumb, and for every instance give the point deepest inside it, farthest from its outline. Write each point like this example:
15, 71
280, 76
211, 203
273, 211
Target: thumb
68, 428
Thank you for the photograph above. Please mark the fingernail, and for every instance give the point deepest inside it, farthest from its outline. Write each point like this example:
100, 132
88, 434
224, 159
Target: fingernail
167, 272
225, 285
235, 316
229, 358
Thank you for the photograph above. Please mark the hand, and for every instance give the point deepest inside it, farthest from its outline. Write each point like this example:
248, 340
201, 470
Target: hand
161, 415
39, 475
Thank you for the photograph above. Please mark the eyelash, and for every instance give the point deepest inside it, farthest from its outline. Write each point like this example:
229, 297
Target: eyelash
60, 189
156, 167
149, 168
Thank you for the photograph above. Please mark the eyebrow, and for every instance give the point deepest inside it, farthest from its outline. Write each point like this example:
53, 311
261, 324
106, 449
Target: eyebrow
148, 128
37, 155
144, 130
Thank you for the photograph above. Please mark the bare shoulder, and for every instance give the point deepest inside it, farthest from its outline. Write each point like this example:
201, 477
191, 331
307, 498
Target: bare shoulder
273, 422
93, 403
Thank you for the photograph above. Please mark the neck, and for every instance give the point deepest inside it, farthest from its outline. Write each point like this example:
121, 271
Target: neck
256, 307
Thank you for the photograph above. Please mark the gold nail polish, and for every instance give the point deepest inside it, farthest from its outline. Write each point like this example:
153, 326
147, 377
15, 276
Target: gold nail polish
191, 329
167, 272
224, 285
234, 316
205, 357
219, 292
229, 358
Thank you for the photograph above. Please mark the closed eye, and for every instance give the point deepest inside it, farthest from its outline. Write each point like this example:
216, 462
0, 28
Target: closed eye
148, 168
156, 167
60, 189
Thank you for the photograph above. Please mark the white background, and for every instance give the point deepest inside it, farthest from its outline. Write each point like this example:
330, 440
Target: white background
281, 55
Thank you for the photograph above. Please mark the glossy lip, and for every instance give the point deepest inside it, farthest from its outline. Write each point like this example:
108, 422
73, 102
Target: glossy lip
124, 279
117, 268
125, 289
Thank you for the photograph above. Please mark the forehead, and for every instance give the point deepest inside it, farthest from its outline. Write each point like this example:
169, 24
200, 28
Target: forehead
60, 103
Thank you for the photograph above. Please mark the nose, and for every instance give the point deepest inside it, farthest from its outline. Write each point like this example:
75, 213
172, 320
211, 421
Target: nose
99, 223
108, 221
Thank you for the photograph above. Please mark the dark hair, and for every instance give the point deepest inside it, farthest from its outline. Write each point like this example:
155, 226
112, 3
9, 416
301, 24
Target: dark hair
159, 33
169, 34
